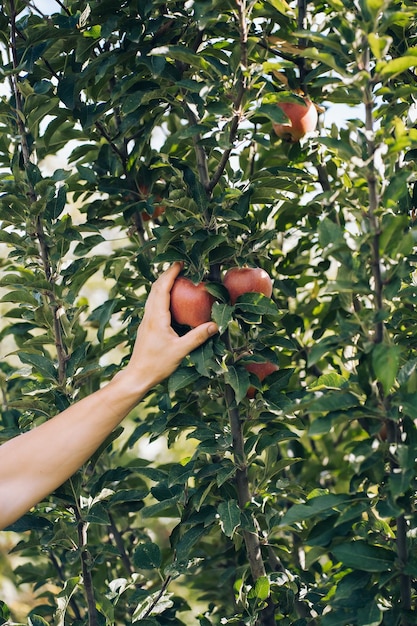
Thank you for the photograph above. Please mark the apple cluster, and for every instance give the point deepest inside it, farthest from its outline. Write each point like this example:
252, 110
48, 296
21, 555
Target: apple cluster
191, 305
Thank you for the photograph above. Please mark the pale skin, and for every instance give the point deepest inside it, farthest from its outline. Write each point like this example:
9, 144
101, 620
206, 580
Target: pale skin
35, 463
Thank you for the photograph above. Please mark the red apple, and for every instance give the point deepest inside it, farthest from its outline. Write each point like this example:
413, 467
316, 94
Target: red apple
159, 208
190, 303
302, 119
240, 280
261, 370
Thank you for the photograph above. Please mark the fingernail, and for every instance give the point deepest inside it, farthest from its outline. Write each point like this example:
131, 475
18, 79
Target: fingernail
212, 329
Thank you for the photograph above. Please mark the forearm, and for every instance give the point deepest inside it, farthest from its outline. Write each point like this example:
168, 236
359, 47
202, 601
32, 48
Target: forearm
34, 464
37, 462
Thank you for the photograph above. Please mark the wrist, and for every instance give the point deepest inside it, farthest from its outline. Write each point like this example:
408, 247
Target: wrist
129, 386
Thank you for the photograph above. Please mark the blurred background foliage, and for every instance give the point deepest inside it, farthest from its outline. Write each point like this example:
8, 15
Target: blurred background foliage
139, 133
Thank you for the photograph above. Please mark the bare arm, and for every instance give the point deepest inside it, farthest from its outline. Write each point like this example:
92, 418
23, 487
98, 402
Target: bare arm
35, 463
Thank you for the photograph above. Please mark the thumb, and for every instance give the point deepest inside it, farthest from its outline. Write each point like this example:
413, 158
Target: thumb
197, 336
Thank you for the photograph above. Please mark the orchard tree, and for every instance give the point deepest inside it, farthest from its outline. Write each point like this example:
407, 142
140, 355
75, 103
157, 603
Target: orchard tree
138, 133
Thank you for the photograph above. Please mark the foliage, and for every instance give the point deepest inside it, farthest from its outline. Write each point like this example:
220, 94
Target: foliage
297, 507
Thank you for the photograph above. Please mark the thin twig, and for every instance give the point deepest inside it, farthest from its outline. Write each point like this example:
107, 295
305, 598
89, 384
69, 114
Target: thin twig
158, 597
115, 534
241, 91
57, 566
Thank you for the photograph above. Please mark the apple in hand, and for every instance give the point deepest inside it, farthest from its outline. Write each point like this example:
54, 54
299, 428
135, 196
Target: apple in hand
302, 119
190, 303
261, 370
240, 280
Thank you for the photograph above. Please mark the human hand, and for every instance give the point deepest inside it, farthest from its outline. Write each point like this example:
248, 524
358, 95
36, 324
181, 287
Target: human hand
158, 348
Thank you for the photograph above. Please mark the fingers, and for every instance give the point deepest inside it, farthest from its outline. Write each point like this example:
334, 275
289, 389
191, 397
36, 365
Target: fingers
159, 300
159, 296
197, 336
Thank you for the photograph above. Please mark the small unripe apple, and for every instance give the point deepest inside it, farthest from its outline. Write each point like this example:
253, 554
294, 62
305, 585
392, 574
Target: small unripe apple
261, 370
240, 280
190, 303
302, 119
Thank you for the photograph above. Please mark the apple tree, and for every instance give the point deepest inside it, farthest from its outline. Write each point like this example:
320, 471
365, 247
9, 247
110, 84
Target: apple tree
139, 133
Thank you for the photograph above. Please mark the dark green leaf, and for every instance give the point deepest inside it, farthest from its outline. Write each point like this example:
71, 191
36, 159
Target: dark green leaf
366, 557
147, 556
229, 515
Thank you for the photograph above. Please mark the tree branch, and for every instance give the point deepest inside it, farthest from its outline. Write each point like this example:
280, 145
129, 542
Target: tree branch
251, 539
116, 536
405, 581
33, 197
373, 194
85, 568
237, 104
300, 61
373, 197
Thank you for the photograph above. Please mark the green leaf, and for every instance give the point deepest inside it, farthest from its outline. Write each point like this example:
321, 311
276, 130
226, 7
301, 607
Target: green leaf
179, 474
314, 507
229, 515
327, 401
239, 381
330, 233
379, 45
185, 55
98, 515
166, 508
366, 557
22, 296
4, 612
102, 315
182, 377
154, 604
281, 6
339, 617
386, 363
188, 540
396, 66
262, 587
222, 314
41, 364
257, 303
147, 556
370, 615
